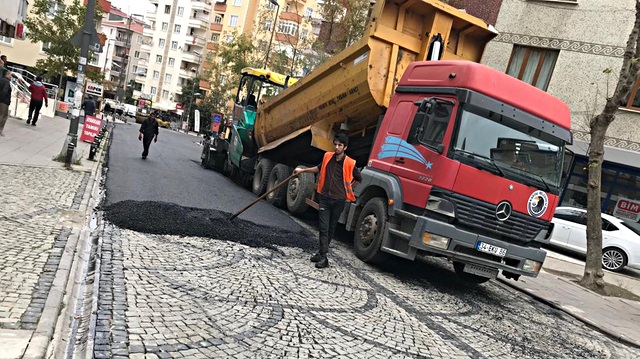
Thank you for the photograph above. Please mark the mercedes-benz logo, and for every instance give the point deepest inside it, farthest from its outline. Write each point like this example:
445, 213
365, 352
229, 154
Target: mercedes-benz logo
503, 211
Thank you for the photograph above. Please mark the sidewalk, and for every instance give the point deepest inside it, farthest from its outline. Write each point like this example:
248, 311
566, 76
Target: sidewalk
617, 317
44, 215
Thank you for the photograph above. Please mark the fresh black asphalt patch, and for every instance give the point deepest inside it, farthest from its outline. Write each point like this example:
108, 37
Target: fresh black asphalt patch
170, 219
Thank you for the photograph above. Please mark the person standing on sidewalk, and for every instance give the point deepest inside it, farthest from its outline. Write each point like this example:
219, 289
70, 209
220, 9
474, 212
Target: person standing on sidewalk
89, 107
5, 99
338, 176
148, 132
38, 95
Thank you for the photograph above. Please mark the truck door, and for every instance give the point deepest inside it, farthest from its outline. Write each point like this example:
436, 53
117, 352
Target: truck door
419, 162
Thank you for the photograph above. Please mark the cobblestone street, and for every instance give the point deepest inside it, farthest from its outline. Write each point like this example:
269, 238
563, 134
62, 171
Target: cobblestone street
174, 297
34, 206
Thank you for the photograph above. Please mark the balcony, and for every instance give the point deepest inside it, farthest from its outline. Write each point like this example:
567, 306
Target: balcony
220, 6
118, 58
204, 84
150, 15
191, 57
201, 5
148, 31
212, 46
187, 74
215, 27
146, 46
143, 63
286, 38
199, 22
207, 65
195, 41
291, 16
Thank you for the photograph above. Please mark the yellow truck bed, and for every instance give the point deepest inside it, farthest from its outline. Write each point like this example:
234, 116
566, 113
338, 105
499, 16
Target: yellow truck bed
354, 87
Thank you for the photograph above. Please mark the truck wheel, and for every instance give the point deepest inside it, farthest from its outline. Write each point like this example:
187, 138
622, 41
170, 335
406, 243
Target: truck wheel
298, 190
467, 277
279, 197
261, 176
369, 232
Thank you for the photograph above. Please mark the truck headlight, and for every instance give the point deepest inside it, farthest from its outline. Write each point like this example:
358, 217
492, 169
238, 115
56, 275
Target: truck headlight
435, 240
441, 206
532, 266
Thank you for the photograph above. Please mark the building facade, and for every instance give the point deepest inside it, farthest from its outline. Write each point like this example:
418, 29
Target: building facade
554, 46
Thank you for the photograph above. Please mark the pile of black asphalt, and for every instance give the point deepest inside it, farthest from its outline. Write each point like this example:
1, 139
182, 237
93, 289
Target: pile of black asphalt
170, 219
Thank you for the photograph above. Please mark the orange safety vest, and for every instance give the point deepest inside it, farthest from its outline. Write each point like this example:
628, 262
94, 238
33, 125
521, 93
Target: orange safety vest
347, 174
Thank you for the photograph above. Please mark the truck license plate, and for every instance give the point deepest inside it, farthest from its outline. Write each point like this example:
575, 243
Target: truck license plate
491, 249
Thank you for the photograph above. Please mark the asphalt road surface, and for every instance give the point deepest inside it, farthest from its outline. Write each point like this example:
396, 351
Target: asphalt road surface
247, 289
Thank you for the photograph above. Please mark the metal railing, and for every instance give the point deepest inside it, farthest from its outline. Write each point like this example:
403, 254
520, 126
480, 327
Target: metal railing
26, 78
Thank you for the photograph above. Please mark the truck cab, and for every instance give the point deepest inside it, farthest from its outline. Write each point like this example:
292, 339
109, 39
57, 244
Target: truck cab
463, 168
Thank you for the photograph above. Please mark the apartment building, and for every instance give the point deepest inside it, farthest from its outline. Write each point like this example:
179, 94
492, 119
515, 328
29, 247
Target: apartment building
180, 34
553, 46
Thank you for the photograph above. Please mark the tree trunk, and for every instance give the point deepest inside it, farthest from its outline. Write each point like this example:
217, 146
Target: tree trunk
593, 273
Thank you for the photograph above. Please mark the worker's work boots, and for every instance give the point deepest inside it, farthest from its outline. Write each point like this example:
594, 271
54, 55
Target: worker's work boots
322, 263
316, 257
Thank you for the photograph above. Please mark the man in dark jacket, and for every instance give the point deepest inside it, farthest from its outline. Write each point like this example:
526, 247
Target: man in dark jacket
89, 106
148, 132
38, 95
5, 99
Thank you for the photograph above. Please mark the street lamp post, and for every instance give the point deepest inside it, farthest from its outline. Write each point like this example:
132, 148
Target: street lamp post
273, 30
193, 87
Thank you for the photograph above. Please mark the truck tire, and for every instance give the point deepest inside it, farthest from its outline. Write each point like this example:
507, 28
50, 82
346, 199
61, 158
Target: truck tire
369, 232
298, 190
279, 197
261, 176
468, 277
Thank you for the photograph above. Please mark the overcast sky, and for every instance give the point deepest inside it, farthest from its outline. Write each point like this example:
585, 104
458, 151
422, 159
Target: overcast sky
132, 6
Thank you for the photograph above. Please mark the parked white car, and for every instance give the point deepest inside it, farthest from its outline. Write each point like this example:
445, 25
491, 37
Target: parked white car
620, 238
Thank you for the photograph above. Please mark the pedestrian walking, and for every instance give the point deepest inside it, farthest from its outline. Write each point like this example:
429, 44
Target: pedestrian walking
5, 99
38, 95
338, 176
148, 132
3, 69
89, 106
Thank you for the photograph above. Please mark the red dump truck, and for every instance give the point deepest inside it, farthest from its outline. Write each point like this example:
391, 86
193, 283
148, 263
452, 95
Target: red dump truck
458, 160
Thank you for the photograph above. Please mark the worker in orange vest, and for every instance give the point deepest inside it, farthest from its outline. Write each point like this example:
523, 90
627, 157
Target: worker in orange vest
338, 176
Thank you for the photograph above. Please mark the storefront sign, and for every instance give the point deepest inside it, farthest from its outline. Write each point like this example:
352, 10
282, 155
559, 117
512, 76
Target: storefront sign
91, 129
196, 120
627, 209
62, 107
94, 89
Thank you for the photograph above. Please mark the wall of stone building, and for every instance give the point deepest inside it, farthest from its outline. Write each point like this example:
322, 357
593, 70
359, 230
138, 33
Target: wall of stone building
578, 77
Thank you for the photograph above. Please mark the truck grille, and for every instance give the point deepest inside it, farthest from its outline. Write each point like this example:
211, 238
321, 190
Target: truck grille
480, 216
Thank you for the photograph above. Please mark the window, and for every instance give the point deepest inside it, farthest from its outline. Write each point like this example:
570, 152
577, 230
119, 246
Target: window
172, 61
237, 2
229, 38
180, 10
215, 38
288, 28
167, 78
55, 7
267, 25
223, 79
139, 40
136, 54
167, 9
45, 46
6, 40
217, 19
270, 5
165, 94
156, 75
177, 29
165, 26
632, 100
430, 130
154, 90
161, 43
532, 65
233, 20
158, 59
174, 45
141, 88
571, 215
304, 35
308, 13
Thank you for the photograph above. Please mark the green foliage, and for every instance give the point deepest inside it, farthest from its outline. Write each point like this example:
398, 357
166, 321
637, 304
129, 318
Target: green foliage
239, 53
344, 27
57, 29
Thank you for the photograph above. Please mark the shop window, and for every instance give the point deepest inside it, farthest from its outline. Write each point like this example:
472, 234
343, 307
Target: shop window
632, 100
532, 65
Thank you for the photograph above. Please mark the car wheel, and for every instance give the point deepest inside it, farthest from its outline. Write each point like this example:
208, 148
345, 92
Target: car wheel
613, 259
369, 231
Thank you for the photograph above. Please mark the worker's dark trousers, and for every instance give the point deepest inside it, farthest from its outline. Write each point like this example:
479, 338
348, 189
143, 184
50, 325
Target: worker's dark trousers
34, 110
329, 213
146, 142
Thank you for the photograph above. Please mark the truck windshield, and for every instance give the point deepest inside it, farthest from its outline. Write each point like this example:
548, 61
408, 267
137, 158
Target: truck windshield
521, 152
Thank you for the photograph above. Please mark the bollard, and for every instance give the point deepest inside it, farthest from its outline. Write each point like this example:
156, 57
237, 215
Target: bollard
69, 157
92, 151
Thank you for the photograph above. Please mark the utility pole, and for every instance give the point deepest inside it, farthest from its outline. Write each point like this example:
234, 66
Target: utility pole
85, 39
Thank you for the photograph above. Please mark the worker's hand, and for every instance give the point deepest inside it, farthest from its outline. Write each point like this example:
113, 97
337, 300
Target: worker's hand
298, 170
155, 139
46, 105
140, 136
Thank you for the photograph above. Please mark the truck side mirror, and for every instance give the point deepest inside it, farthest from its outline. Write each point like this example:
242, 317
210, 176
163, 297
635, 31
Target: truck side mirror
440, 148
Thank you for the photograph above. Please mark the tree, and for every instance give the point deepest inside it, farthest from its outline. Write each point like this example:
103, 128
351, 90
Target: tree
54, 28
598, 125
344, 23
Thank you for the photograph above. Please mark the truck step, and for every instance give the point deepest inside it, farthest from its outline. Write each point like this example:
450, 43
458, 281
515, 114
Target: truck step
407, 215
399, 233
